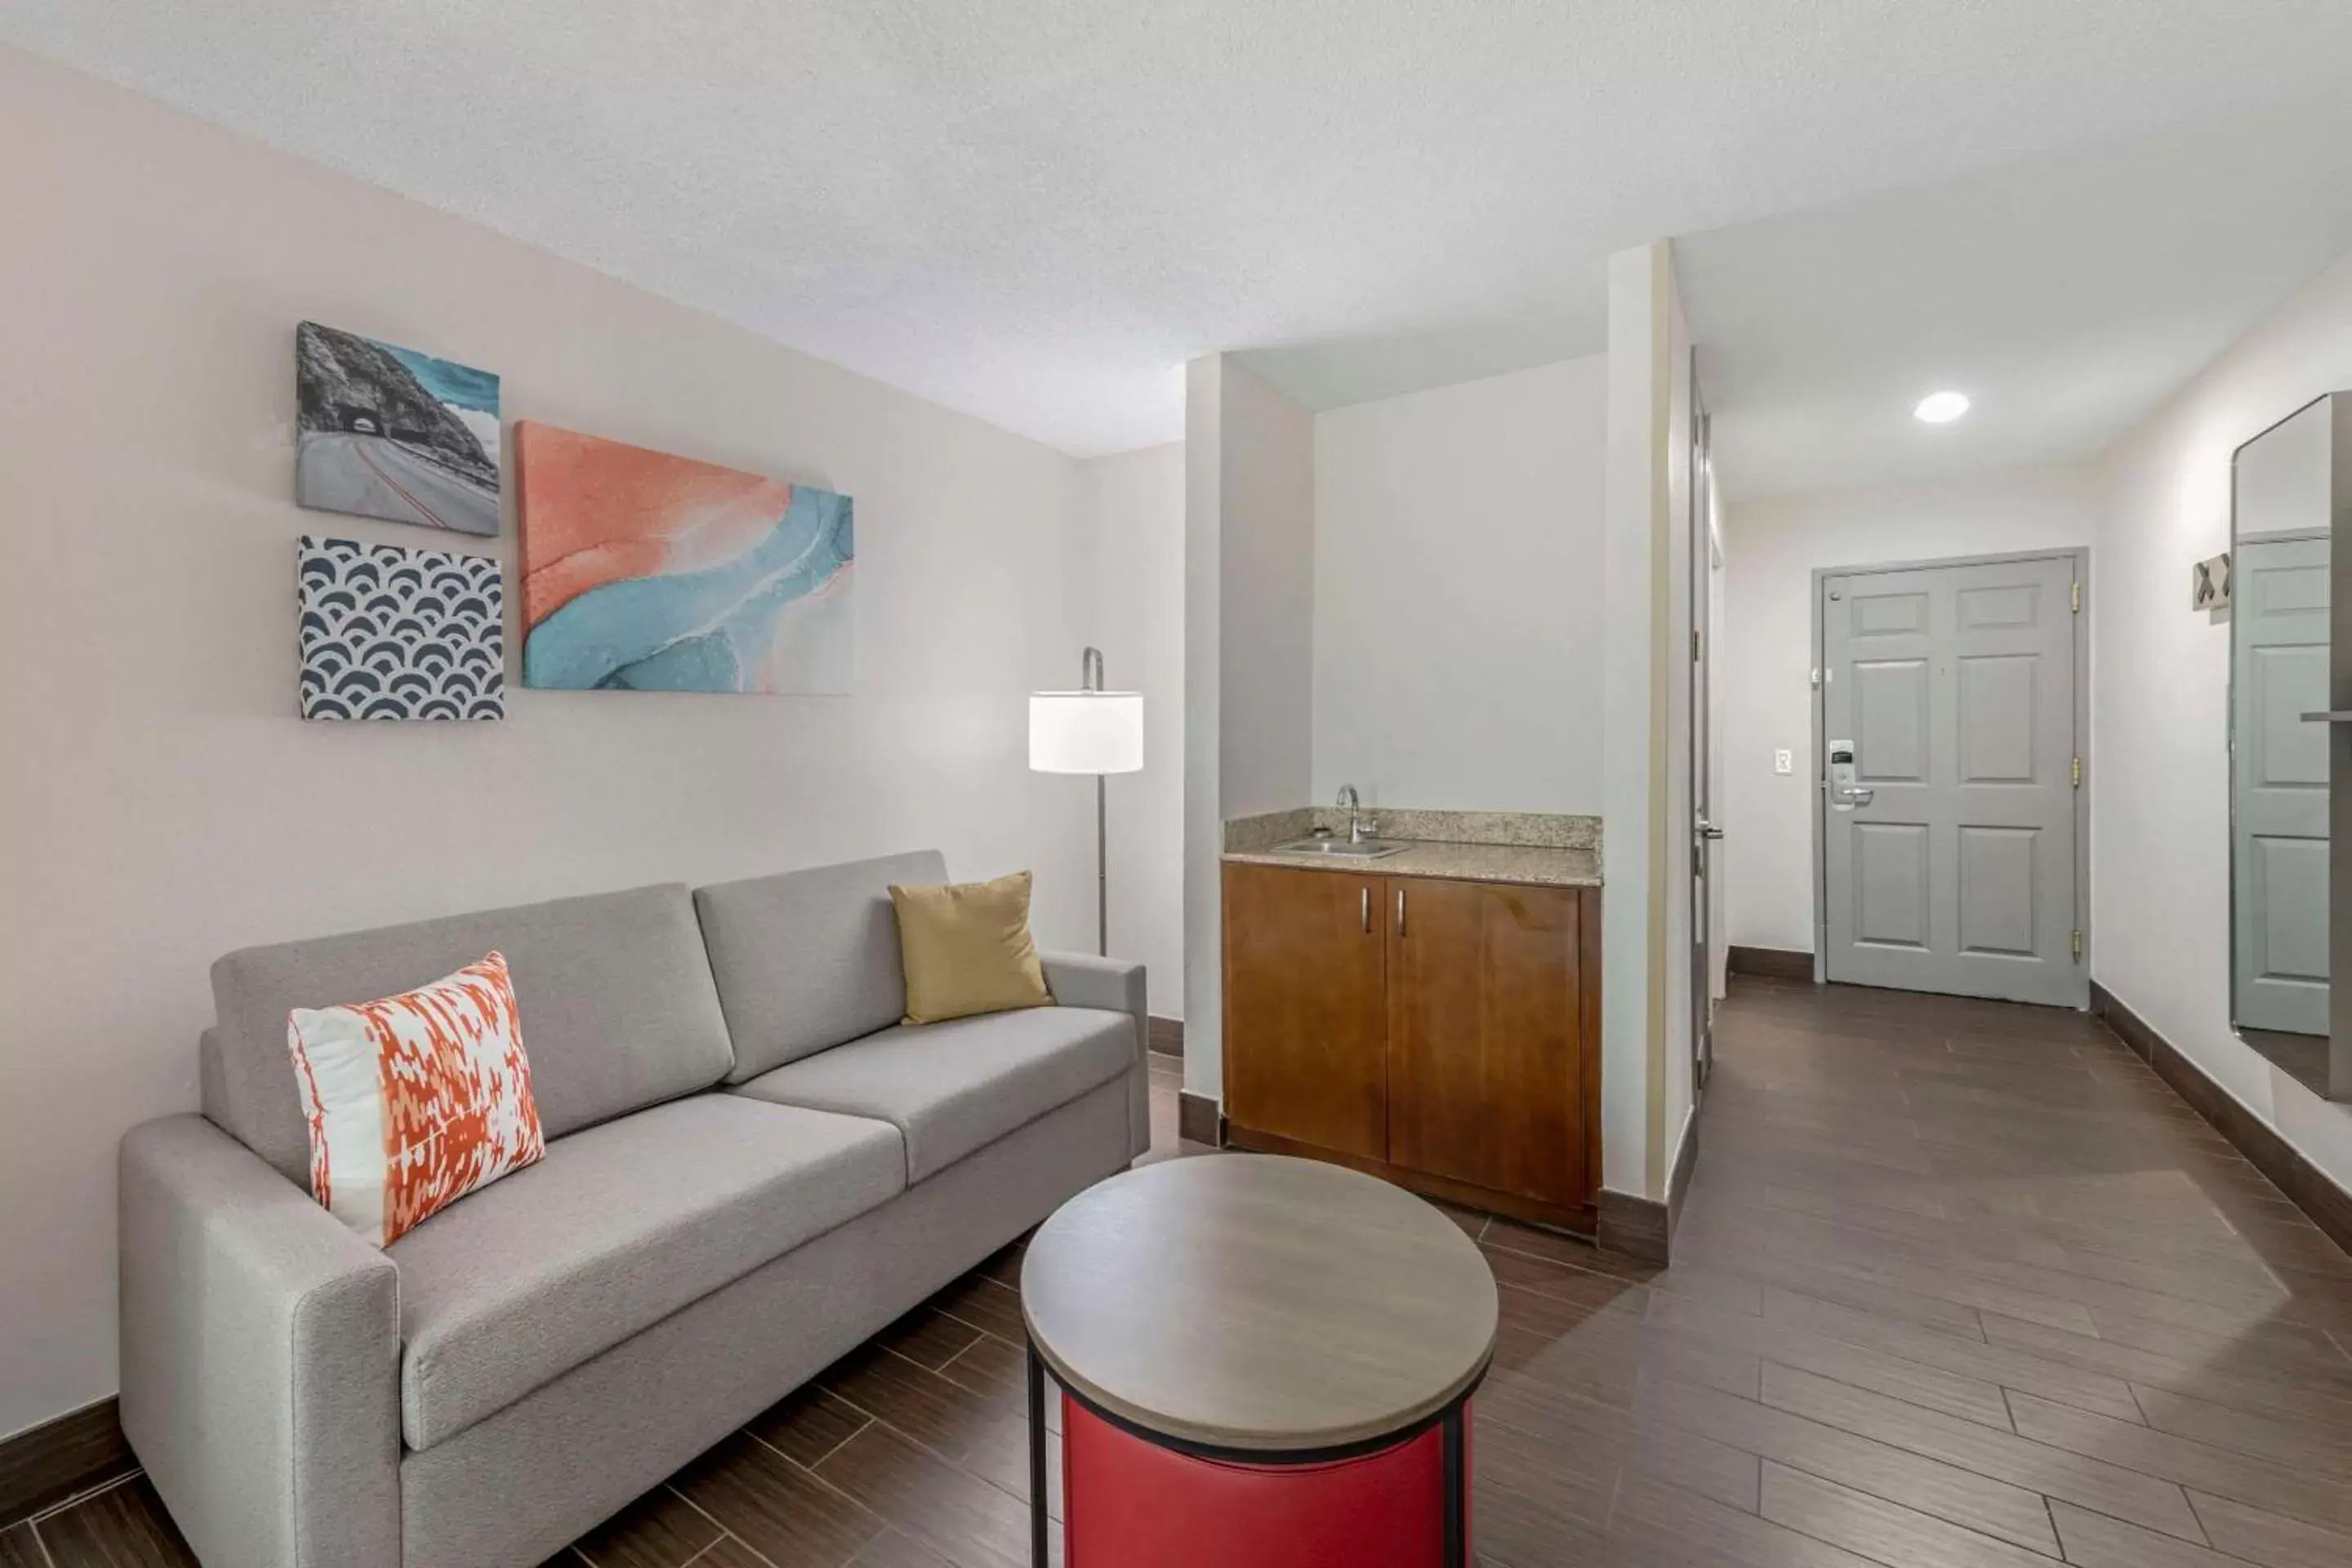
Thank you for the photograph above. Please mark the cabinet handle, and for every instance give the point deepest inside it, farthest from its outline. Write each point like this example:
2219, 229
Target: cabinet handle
1366, 912
1400, 912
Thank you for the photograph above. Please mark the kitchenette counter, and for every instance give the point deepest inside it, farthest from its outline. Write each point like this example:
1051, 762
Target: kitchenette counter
1534, 865
1533, 848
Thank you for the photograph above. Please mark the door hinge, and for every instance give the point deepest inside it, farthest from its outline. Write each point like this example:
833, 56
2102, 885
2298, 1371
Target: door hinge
2078, 772
2075, 597
1694, 648
2078, 947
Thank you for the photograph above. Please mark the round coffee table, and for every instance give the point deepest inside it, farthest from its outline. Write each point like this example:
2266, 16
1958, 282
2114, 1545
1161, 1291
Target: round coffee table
1262, 1359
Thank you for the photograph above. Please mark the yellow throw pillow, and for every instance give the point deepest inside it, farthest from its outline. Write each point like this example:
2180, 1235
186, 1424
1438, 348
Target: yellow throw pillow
967, 949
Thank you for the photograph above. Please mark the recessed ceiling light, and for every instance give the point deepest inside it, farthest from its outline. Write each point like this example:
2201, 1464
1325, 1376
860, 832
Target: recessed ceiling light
1941, 408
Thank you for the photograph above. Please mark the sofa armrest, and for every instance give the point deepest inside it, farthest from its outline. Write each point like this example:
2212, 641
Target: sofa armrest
1081, 980
260, 1357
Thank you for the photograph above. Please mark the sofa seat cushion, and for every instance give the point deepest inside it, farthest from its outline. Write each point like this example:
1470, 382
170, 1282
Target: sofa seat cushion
616, 1227
954, 1087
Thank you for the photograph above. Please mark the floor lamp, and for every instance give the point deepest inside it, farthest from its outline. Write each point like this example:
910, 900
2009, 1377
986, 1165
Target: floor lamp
1089, 730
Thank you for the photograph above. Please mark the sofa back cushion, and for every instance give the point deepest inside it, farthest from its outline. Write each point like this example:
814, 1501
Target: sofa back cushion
614, 990
809, 959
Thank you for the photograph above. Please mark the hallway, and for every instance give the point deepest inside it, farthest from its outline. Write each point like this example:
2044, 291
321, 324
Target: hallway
1958, 1283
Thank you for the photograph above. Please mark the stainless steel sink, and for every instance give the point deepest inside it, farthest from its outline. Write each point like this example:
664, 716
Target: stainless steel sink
1340, 848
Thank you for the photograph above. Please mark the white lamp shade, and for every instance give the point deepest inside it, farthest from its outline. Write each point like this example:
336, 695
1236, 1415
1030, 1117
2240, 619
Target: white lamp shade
1085, 731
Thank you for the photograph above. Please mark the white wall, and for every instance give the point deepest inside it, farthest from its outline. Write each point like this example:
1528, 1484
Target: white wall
1266, 630
1205, 685
1459, 642
159, 802
1771, 548
1249, 620
1645, 1077
2160, 822
1130, 537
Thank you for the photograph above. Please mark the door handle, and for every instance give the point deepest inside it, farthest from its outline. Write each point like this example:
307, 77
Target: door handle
1852, 794
1365, 911
1707, 830
2329, 716
1400, 912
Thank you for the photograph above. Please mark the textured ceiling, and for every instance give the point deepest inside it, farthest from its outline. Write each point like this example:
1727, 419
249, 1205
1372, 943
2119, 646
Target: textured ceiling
2067, 295
1036, 209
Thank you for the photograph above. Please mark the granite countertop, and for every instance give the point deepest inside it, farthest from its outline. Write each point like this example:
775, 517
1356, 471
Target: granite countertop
1537, 848
1530, 864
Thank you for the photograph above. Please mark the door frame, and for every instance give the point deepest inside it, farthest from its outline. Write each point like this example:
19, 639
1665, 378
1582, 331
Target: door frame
1706, 864
2080, 554
2339, 677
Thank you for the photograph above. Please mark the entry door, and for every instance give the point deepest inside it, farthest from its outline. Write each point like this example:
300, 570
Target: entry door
1948, 855
2279, 599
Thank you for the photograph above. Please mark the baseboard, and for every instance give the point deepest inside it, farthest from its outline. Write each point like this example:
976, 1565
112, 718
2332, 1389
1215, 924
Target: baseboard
45, 1465
1643, 1229
2304, 1183
1575, 1219
1199, 1119
1640, 1229
1769, 962
1678, 1180
1166, 1036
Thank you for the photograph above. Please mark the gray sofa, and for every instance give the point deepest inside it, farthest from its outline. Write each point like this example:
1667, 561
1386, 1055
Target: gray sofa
752, 1166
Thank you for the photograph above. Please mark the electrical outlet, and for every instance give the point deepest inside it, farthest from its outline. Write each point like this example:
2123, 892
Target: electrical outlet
1784, 760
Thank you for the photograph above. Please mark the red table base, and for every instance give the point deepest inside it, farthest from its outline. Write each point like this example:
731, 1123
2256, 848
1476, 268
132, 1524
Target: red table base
1130, 1501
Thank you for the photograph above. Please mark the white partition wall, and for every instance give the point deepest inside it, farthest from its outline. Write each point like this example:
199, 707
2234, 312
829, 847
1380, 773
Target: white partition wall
1249, 597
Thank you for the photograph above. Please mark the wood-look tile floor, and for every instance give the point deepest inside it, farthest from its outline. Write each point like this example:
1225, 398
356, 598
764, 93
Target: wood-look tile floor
1959, 1285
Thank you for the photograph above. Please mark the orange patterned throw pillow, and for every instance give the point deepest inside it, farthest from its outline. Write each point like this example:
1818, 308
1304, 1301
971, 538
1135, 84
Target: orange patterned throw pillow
415, 1101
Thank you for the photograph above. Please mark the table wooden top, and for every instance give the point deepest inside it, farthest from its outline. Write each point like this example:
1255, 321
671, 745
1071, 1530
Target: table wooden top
1257, 1303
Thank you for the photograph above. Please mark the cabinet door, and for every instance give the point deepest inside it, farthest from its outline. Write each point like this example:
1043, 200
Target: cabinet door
1485, 1036
1305, 1025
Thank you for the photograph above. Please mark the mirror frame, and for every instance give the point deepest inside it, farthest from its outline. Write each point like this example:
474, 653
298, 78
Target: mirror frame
2339, 750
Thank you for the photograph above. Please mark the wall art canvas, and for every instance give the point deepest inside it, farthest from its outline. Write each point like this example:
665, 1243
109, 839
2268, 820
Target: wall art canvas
386, 432
388, 632
649, 572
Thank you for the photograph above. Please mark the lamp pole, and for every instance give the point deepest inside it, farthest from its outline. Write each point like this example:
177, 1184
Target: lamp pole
1091, 679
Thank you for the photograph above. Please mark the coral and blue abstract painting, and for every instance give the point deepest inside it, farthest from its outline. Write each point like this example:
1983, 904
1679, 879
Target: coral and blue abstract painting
392, 633
391, 433
649, 572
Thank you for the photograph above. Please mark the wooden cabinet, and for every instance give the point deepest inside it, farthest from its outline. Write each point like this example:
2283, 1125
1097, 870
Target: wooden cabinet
1307, 1007
1486, 1051
1444, 1035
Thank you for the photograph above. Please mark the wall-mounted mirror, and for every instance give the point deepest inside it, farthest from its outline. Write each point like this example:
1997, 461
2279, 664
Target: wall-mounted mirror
2287, 504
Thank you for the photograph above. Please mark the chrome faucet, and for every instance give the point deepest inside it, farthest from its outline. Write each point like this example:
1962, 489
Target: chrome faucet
1352, 803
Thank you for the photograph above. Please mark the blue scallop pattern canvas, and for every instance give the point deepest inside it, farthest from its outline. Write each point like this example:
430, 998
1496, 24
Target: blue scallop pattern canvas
394, 633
